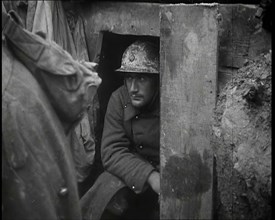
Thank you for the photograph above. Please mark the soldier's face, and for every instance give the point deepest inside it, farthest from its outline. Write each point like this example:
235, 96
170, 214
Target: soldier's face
141, 88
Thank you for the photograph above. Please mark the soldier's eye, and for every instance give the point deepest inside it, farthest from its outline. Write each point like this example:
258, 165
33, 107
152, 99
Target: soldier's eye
142, 79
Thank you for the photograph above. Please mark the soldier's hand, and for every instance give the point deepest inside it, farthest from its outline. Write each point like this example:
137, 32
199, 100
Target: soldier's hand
154, 181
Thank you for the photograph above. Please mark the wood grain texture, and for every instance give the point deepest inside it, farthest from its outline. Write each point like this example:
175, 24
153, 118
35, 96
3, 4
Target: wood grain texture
188, 54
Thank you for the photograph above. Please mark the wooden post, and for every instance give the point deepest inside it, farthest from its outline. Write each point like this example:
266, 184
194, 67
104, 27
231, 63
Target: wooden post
188, 55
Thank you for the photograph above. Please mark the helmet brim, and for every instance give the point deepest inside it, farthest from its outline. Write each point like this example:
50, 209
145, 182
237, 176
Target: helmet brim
127, 70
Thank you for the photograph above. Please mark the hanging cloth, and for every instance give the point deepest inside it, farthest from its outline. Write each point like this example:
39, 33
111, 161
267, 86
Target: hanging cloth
93, 109
30, 14
80, 41
61, 31
42, 22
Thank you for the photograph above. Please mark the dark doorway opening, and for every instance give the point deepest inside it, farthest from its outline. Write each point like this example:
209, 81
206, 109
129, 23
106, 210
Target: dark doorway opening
113, 46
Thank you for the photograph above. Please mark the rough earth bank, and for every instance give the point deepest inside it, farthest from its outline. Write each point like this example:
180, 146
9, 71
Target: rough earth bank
242, 144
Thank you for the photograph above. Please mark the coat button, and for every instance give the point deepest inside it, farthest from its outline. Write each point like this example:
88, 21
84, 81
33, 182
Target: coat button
133, 187
136, 116
63, 191
140, 147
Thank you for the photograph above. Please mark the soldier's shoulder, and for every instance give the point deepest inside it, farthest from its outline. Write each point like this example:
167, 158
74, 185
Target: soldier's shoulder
121, 93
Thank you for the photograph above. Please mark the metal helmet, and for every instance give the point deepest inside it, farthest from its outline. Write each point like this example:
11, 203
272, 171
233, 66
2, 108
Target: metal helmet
140, 57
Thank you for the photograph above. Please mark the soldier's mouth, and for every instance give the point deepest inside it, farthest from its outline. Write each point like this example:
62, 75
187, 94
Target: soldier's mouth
136, 97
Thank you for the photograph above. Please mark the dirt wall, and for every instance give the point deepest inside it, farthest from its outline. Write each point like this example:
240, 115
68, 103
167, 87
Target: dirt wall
242, 143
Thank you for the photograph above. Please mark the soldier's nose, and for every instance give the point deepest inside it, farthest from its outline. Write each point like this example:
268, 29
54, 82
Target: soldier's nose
134, 86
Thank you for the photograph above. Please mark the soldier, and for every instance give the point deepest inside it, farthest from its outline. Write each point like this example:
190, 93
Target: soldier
130, 186
44, 94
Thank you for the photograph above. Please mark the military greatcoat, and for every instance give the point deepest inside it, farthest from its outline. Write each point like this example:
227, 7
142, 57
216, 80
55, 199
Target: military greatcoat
129, 151
44, 93
38, 174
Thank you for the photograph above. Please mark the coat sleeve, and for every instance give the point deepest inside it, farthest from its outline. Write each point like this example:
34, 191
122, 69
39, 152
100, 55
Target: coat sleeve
115, 149
83, 148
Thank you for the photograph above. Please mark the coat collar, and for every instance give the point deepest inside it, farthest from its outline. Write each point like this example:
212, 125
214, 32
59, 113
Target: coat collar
130, 111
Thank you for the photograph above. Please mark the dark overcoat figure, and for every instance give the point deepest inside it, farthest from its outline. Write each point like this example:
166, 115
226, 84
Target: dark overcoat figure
41, 85
129, 152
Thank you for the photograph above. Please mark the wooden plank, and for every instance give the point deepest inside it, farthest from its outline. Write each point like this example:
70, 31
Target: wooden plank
241, 35
188, 55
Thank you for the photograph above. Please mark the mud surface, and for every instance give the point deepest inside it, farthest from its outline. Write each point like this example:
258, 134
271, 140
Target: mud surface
187, 176
242, 144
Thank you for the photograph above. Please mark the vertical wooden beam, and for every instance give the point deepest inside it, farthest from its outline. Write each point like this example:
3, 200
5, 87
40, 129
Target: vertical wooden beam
188, 54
